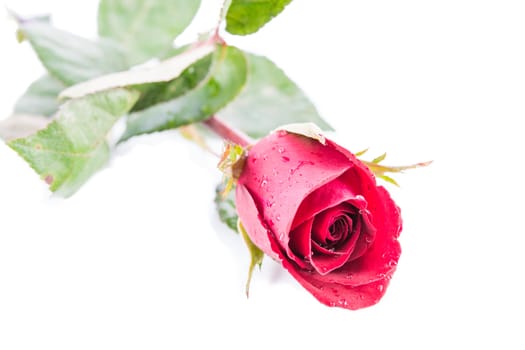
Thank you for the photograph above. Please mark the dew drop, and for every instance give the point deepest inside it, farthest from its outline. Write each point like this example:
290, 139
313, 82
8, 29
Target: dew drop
278, 218
285, 159
380, 288
281, 133
281, 150
269, 204
342, 302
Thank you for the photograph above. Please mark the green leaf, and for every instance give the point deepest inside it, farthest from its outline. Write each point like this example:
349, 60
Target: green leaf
72, 147
71, 58
41, 97
154, 93
248, 16
269, 100
225, 80
225, 204
256, 254
145, 28
163, 72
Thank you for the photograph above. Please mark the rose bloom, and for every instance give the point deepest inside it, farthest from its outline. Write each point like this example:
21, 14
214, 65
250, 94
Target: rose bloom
317, 210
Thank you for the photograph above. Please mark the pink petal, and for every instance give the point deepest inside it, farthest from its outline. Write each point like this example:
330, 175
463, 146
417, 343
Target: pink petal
345, 296
252, 222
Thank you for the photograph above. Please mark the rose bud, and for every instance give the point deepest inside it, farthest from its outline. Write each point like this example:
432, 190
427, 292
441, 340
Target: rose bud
315, 208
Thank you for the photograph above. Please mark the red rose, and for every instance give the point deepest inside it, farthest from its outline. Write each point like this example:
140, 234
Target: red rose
317, 209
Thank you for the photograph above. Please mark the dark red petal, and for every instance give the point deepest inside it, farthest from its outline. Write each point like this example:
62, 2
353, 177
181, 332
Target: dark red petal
367, 233
278, 184
301, 244
326, 263
324, 220
251, 221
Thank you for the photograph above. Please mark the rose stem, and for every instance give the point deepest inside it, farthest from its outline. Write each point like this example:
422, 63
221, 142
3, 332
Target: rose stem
227, 132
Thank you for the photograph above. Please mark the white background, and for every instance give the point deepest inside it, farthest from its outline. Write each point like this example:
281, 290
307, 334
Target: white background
137, 259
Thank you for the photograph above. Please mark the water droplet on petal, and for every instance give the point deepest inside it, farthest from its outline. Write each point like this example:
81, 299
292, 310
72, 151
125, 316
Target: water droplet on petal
278, 218
285, 159
281, 150
380, 288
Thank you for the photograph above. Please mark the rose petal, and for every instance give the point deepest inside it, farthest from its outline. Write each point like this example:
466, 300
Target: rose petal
281, 170
335, 294
252, 222
366, 173
301, 244
381, 258
336, 192
326, 263
322, 223
366, 237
